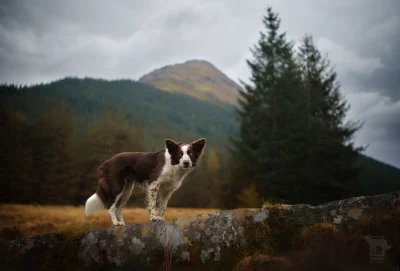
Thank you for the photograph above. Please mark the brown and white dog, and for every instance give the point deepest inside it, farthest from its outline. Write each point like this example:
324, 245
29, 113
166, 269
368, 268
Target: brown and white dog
158, 173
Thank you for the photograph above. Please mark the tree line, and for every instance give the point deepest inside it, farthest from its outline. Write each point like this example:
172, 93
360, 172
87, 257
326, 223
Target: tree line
52, 158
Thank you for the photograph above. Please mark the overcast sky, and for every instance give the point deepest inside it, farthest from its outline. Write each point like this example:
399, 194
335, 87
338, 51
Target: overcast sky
44, 40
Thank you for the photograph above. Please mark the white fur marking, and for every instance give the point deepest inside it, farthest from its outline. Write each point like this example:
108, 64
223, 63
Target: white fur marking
185, 156
116, 212
126, 193
169, 180
164, 194
174, 174
151, 199
113, 210
93, 204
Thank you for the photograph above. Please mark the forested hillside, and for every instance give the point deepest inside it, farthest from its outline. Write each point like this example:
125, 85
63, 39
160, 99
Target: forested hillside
378, 177
57, 134
162, 114
54, 136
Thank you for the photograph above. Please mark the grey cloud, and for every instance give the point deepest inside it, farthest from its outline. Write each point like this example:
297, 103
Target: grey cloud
44, 40
91, 17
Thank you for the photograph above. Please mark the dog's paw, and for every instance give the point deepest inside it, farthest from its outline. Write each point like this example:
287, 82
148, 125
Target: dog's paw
156, 218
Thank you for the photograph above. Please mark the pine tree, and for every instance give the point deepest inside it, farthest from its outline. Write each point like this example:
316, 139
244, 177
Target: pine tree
267, 122
293, 141
331, 156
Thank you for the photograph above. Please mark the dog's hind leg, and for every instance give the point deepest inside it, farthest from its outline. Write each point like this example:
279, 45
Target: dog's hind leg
126, 193
112, 211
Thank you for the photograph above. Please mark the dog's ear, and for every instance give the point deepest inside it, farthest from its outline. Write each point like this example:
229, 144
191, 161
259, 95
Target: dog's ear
198, 146
172, 146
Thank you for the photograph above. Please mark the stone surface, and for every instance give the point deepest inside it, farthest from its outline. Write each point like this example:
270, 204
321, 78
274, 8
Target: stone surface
213, 238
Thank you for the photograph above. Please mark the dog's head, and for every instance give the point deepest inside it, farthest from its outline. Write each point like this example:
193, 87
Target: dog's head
185, 155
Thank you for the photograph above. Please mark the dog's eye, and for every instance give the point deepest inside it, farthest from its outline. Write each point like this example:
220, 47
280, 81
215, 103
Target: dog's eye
189, 152
180, 153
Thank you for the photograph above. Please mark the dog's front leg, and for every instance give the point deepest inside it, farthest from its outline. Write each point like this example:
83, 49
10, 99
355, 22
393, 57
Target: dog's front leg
164, 196
151, 200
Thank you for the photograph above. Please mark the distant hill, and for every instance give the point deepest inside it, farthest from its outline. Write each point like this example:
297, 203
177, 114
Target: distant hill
161, 114
196, 78
378, 177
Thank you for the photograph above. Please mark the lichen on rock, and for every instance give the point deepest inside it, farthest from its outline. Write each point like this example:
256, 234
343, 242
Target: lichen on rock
213, 240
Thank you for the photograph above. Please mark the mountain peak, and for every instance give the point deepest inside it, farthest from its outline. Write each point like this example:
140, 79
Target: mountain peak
195, 77
198, 62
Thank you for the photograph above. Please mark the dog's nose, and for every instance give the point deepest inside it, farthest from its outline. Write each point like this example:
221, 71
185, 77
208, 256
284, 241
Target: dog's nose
186, 163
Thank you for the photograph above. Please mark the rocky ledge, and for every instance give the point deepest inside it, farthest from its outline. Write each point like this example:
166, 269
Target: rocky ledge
285, 237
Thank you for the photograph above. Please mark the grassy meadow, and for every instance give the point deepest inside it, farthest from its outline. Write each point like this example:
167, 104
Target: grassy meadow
18, 220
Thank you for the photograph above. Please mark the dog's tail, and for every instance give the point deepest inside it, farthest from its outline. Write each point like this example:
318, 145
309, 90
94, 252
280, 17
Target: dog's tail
93, 204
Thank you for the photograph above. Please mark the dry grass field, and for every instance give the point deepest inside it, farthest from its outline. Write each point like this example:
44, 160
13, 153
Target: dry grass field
17, 221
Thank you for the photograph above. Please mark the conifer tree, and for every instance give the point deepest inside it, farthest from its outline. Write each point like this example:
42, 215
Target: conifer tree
331, 156
266, 111
293, 141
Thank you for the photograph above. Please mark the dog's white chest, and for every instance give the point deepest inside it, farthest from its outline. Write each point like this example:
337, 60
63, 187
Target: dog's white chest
172, 175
